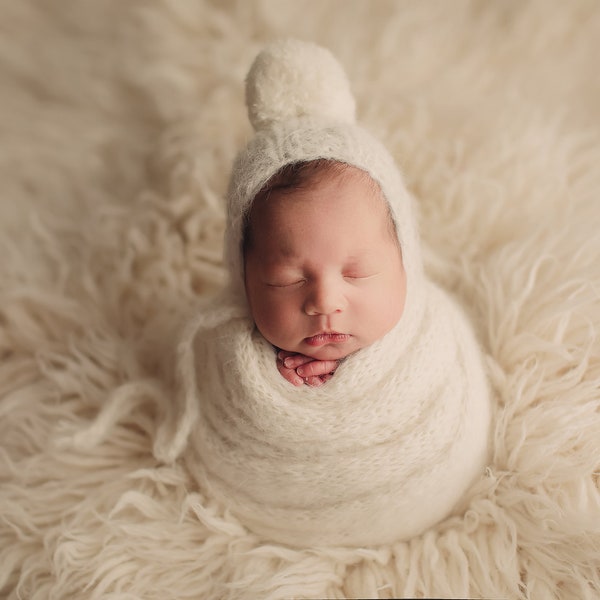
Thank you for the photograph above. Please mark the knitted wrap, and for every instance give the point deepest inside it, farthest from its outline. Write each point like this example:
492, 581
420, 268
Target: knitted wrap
381, 452
385, 448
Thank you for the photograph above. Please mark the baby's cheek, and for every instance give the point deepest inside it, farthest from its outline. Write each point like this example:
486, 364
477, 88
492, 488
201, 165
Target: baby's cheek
394, 307
385, 308
276, 321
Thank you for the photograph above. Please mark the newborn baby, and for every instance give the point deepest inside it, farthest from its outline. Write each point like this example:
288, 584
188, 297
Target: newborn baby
323, 267
326, 277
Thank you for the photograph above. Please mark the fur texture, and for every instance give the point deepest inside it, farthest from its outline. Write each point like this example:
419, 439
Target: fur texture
119, 123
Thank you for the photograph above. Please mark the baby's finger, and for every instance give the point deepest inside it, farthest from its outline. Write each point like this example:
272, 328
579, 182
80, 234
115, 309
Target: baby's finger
290, 375
314, 381
317, 368
296, 360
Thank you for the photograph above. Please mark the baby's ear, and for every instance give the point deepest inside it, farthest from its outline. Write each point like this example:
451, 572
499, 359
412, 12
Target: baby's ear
292, 79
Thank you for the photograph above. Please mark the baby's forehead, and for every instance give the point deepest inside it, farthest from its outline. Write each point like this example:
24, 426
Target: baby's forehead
311, 185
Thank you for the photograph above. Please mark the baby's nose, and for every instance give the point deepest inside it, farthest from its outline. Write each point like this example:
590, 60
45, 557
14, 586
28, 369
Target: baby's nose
324, 298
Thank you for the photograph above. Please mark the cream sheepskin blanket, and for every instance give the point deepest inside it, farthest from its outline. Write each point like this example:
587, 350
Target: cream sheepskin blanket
119, 123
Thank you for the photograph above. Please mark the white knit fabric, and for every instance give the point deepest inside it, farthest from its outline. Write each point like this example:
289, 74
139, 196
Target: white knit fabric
292, 79
381, 452
387, 447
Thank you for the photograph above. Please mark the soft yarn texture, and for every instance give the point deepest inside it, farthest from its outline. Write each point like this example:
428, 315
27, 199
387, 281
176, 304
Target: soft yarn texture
119, 122
383, 451
388, 447
294, 79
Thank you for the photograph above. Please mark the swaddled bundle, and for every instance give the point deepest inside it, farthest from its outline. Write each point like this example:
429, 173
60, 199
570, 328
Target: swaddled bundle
388, 446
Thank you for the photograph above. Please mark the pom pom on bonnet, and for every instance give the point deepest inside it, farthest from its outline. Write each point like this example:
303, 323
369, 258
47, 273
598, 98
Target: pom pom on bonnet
302, 109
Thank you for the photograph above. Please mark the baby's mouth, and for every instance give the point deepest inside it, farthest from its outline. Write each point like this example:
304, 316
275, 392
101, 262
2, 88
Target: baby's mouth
327, 338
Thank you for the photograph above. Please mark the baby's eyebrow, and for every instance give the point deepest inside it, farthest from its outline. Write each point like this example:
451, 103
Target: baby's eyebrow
285, 257
360, 255
356, 257
280, 261
286, 251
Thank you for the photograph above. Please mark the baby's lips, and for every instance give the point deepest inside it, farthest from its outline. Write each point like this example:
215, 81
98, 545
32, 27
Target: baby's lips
327, 338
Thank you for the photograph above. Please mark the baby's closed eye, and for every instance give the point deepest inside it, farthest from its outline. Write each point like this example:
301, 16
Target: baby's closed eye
360, 275
285, 283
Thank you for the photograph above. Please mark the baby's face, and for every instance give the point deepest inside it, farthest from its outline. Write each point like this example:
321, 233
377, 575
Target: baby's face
324, 274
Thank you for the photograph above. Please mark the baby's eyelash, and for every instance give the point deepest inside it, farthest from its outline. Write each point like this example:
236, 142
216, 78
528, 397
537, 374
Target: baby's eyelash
284, 285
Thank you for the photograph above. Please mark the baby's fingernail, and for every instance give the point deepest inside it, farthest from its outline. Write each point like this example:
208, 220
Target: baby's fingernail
298, 381
300, 371
288, 363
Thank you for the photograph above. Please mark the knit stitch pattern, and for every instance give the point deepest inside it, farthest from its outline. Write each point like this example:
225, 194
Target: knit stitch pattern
381, 452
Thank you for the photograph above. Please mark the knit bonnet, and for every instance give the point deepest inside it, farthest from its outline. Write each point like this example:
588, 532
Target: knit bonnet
302, 109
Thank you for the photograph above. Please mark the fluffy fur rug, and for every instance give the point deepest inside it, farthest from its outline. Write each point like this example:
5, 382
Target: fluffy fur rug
118, 124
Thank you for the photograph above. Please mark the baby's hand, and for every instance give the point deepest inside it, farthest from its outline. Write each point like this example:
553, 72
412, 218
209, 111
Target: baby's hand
300, 369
